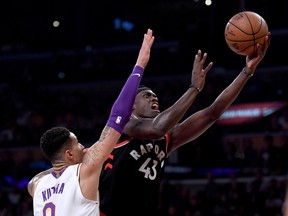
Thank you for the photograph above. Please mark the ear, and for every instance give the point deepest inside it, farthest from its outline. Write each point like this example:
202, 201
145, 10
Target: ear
68, 154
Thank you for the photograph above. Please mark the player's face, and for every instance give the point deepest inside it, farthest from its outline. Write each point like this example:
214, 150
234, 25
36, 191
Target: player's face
146, 104
77, 149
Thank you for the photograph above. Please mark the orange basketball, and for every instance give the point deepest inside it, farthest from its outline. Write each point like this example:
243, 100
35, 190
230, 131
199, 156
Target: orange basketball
244, 30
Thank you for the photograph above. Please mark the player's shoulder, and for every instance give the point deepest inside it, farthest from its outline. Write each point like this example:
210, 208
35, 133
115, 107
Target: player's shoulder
32, 184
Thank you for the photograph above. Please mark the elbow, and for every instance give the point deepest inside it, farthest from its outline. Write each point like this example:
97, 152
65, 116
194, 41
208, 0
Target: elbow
216, 112
214, 118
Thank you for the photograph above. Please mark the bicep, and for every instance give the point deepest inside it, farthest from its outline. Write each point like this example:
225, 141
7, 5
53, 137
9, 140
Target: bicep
93, 161
96, 155
190, 129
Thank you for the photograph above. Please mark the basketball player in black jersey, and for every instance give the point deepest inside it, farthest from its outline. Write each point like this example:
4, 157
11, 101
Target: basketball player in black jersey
131, 175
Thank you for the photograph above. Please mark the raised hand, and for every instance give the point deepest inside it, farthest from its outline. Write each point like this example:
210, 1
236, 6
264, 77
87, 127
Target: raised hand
198, 72
253, 61
144, 53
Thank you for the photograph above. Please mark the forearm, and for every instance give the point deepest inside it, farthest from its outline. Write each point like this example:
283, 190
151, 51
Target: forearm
229, 95
119, 116
171, 116
122, 107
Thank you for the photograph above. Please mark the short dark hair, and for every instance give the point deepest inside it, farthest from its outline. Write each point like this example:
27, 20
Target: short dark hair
142, 88
53, 140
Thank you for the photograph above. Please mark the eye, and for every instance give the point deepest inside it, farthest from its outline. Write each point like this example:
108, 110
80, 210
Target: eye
147, 95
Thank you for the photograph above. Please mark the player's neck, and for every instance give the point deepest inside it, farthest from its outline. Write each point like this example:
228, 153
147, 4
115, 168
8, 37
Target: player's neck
59, 166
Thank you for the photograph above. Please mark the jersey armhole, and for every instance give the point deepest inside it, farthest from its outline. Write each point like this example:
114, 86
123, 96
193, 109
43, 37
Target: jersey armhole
167, 136
78, 170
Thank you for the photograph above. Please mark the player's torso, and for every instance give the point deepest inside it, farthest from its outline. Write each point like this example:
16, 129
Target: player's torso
62, 196
132, 172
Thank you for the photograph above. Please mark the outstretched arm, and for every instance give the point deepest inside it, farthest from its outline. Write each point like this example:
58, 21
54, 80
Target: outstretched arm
200, 121
119, 116
162, 123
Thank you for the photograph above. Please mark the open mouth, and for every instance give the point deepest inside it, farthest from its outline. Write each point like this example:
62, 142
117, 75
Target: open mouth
155, 106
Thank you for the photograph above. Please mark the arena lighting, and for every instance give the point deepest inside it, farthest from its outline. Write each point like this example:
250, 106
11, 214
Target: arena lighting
208, 2
56, 23
244, 113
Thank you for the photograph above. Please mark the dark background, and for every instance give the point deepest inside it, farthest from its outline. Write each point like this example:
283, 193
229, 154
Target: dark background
88, 38
70, 76
96, 46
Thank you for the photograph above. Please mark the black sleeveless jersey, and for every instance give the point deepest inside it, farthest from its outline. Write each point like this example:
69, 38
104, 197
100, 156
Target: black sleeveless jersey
131, 177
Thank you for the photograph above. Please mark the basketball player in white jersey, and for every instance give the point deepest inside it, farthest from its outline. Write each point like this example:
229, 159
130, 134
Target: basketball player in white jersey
70, 187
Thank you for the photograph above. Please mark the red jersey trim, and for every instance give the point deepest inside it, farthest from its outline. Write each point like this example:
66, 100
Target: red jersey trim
167, 141
125, 142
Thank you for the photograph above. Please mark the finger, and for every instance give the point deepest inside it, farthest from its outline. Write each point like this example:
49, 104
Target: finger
208, 67
198, 56
260, 50
203, 60
151, 41
149, 32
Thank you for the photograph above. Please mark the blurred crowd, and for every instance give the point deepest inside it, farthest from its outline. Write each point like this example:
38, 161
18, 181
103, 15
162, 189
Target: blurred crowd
254, 196
28, 109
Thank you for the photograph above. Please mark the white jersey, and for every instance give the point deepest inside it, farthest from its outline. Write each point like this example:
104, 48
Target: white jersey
62, 196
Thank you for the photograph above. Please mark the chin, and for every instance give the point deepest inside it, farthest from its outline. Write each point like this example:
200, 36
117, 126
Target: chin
155, 113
